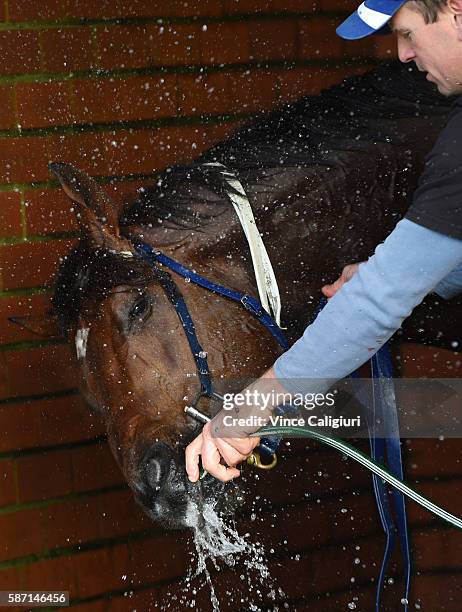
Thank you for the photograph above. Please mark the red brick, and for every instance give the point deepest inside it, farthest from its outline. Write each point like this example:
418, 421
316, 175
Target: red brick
299, 82
102, 570
253, 90
30, 264
25, 10
71, 523
175, 44
10, 214
130, 98
7, 483
182, 8
22, 533
200, 94
67, 49
50, 575
44, 475
145, 599
4, 383
346, 6
420, 458
86, 9
9, 580
134, 152
20, 52
385, 47
147, 151
23, 160
419, 361
95, 606
19, 306
317, 39
150, 566
48, 211
435, 551
94, 467
124, 46
444, 494
105, 9
84, 151
438, 592
225, 43
61, 420
273, 40
40, 370
44, 104
270, 6
121, 515
7, 114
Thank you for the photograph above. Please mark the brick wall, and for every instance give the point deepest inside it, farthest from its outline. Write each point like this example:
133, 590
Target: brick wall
122, 89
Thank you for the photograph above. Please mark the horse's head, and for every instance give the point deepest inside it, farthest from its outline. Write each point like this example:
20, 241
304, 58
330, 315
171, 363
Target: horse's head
134, 359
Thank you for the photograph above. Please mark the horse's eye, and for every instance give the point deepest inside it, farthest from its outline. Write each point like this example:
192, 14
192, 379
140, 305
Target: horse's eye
141, 309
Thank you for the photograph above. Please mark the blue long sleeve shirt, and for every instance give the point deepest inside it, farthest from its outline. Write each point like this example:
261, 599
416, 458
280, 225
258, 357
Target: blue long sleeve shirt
412, 262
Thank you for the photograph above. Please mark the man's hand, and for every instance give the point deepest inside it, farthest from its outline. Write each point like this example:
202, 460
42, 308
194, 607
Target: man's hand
220, 455
347, 274
213, 450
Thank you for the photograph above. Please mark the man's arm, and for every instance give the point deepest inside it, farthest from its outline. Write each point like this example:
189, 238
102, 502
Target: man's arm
369, 308
355, 323
451, 285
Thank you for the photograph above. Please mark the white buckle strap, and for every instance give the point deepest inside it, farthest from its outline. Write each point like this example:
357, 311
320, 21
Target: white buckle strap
374, 19
264, 274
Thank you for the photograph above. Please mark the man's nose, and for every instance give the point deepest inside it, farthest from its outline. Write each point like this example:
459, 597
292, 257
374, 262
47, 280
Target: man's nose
405, 52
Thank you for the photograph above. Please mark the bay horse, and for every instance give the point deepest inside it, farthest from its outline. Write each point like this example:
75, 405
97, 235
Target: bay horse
328, 178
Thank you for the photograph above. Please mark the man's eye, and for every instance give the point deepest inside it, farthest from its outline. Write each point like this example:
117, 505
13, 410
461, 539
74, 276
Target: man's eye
141, 308
407, 35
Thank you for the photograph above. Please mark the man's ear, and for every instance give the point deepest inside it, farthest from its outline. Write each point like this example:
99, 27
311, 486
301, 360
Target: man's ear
45, 326
455, 6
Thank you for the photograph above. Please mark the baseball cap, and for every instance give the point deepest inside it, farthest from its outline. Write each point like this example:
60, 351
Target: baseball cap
369, 18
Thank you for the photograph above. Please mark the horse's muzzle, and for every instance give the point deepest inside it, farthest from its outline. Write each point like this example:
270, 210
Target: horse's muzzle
166, 494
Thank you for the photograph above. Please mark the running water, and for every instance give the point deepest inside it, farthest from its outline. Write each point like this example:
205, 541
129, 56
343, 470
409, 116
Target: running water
222, 547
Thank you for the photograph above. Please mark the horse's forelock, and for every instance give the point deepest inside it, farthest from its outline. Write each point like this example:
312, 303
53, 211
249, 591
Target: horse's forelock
87, 274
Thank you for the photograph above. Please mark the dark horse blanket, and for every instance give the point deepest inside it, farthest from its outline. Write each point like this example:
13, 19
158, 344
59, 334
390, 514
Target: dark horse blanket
338, 168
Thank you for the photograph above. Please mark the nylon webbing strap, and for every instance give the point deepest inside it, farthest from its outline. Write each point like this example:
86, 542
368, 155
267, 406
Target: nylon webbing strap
268, 290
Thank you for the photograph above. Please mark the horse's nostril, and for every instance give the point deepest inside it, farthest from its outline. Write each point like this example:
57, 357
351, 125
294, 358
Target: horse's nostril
154, 473
155, 465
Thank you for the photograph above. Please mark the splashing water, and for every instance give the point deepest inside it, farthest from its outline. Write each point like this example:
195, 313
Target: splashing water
221, 545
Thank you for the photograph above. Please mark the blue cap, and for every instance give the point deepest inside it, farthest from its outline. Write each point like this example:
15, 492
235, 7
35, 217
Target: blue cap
370, 17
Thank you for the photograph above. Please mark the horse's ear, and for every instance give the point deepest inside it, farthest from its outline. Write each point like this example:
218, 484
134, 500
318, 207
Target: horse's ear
96, 215
45, 326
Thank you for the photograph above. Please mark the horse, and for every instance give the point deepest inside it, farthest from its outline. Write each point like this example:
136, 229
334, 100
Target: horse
328, 177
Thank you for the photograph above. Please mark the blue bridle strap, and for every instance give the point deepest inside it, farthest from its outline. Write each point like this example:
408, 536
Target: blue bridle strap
249, 302
385, 412
153, 258
382, 408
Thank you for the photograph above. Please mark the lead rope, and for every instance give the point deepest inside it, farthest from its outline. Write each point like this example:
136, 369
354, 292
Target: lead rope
367, 462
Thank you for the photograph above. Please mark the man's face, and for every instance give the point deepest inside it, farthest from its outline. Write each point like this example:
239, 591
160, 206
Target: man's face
435, 47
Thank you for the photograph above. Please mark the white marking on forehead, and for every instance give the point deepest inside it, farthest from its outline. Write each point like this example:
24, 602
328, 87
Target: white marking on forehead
81, 339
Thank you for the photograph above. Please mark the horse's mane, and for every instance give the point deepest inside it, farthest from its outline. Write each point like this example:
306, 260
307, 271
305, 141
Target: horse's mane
312, 131
89, 273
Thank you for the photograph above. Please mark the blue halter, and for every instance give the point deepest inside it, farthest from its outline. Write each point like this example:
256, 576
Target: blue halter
383, 403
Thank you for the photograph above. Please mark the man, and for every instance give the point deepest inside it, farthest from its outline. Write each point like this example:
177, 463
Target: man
423, 253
